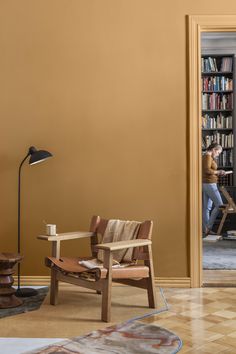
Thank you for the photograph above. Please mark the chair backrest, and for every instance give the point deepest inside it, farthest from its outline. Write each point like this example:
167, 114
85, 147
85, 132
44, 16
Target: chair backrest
227, 196
98, 226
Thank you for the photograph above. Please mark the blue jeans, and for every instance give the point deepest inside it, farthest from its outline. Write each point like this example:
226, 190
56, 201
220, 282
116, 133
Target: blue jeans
211, 195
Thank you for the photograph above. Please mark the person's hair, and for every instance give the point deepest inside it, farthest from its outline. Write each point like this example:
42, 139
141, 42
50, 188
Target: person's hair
215, 146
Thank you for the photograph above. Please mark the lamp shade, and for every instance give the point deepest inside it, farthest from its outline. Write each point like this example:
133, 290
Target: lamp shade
37, 156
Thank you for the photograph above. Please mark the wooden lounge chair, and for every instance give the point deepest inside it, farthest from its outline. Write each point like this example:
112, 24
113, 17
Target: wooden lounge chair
69, 270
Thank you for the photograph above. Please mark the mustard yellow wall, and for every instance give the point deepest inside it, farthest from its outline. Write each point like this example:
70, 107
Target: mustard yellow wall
102, 84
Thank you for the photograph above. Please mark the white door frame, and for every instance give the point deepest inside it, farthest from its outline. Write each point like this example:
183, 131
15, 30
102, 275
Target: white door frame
196, 25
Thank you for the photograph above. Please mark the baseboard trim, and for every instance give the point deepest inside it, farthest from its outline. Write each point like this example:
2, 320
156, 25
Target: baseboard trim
173, 282
170, 282
32, 280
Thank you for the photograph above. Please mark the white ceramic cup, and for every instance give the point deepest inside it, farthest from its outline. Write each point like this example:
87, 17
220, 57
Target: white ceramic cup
51, 229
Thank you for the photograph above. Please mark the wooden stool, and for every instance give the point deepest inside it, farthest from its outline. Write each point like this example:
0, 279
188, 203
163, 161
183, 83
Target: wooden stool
7, 297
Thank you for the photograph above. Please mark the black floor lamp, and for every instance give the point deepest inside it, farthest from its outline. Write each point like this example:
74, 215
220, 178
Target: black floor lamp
36, 156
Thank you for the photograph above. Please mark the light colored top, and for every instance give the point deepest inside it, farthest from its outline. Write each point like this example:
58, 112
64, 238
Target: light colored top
66, 236
209, 168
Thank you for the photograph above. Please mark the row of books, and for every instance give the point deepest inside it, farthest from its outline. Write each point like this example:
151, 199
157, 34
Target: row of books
225, 140
215, 238
216, 101
219, 121
226, 158
217, 83
226, 180
224, 64
231, 235
212, 238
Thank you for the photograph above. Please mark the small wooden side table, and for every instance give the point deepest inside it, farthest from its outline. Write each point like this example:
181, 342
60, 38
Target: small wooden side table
7, 297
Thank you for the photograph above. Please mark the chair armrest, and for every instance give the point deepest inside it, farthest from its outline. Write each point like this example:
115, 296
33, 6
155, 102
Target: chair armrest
119, 245
66, 236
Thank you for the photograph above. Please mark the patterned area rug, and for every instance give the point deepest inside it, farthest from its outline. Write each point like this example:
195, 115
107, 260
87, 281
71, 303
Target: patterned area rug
29, 304
131, 337
219, 255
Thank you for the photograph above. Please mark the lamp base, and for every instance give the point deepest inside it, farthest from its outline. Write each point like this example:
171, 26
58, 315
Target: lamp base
26, 292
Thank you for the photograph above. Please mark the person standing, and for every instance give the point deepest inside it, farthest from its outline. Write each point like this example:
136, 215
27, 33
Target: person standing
211, 194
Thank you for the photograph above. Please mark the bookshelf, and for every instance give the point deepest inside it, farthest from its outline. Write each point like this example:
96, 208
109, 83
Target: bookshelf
218, 109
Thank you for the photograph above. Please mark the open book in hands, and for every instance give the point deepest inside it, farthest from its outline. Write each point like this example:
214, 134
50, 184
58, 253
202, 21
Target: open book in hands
223, 173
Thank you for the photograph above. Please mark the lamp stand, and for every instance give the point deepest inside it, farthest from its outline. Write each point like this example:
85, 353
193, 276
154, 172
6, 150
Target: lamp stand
22, 292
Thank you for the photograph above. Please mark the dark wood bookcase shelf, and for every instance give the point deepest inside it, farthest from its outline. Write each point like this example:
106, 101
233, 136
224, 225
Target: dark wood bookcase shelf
210, 73
211, 91
218, 109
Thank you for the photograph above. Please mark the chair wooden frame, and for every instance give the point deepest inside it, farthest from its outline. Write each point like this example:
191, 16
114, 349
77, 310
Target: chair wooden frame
141, 275
230, 208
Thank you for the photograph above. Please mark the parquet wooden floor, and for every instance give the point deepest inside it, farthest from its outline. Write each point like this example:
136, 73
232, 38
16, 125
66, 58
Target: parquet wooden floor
219, 278
205, 319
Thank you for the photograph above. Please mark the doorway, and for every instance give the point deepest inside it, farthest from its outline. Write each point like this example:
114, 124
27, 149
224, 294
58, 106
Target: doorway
198, 25
218, 51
